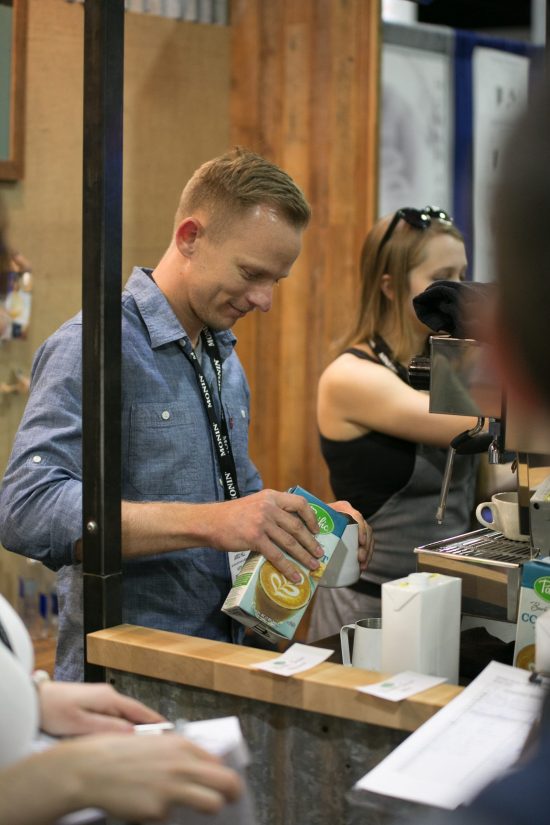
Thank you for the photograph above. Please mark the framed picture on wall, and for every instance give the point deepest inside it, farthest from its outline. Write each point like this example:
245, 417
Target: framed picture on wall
13, 31
417, 108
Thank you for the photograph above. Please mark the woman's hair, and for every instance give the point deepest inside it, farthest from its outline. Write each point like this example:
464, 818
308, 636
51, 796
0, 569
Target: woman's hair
400, 254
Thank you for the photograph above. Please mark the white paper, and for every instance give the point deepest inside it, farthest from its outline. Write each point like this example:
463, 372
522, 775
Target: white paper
500, 86
217, 736
402, 685
472, 740
416, 129
295, 660
222, 737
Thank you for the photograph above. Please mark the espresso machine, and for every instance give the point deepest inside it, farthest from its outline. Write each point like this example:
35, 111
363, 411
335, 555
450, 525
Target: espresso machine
459, 379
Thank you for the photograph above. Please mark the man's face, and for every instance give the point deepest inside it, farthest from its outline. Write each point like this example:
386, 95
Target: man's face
229, 276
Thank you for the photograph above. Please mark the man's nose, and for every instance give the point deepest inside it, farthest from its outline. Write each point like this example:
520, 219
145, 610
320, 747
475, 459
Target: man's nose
261, 297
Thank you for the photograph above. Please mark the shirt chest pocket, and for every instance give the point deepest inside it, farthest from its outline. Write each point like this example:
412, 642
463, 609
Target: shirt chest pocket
166, 453
236, 416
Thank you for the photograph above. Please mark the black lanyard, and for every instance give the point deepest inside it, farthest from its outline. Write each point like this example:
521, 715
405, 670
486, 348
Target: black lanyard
218, 426
385, 356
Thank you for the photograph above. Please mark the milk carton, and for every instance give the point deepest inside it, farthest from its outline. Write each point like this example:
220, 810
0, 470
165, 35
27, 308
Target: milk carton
265, 600
534, 600
421, 625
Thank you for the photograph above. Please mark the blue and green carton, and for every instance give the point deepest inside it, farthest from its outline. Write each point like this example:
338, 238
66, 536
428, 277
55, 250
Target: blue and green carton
534, 600
266, 601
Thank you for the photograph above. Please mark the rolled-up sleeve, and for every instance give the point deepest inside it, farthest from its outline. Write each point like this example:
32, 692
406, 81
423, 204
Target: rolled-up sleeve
41, 496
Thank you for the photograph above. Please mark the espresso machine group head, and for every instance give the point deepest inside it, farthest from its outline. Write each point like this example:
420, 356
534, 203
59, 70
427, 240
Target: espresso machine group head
460, 383
461, 380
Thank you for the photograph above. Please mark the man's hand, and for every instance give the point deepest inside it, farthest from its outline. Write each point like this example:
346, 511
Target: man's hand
69, 709
142, 777
131, 778
365, 537
268, 523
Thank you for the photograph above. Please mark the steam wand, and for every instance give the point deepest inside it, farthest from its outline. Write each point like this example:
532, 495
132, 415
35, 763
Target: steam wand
469, 442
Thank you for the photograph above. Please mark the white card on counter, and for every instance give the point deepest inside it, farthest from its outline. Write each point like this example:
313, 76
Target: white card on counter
295, 660
402, 685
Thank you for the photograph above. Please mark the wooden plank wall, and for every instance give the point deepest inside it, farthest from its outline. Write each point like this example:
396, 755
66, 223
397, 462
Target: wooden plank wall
304, 93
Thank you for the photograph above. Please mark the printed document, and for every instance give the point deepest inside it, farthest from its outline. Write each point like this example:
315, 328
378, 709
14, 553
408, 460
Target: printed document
469, 742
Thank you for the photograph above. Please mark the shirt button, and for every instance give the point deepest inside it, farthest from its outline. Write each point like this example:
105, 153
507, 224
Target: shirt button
165, 415
243, 413
37, 459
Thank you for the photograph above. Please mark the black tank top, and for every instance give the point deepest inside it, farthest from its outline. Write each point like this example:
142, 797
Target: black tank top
389, 462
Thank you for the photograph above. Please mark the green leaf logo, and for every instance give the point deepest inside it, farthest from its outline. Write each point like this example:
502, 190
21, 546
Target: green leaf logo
326, 524
542, 587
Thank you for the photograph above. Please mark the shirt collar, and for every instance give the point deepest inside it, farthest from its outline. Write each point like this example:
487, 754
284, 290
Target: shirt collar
158, 316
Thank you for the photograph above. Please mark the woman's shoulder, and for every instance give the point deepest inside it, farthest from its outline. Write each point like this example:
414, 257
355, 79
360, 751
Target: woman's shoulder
351, 361
355, 368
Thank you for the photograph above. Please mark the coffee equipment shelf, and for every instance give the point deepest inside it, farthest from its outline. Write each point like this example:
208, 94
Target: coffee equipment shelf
488, 563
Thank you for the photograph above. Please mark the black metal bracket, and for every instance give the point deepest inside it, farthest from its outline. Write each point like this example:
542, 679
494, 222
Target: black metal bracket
101, 316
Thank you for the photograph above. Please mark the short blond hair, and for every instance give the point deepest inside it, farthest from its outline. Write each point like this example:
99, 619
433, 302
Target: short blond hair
230, 185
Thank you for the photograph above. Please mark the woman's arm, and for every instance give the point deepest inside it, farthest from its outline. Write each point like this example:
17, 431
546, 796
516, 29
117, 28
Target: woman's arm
356, 396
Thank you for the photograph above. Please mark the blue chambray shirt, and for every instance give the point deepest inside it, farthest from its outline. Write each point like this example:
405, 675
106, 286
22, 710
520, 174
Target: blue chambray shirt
167, 455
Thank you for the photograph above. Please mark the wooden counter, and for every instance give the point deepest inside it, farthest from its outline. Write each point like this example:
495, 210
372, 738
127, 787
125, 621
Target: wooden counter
326, 689
310, 737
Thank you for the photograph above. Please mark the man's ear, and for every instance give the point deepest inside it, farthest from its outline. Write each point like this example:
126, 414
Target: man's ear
386, 286
187, 235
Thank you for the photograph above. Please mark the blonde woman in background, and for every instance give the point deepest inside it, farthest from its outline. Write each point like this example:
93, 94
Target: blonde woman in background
385, 451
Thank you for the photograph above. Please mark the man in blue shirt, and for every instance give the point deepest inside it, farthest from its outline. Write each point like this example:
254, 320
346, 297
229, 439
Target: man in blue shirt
185, 415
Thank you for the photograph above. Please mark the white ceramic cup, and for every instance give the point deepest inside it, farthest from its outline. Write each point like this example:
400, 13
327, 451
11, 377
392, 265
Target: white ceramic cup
367, 644
343, 568
501, 514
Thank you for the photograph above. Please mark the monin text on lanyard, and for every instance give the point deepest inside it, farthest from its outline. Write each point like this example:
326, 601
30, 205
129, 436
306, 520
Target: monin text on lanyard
220, 435
385, 356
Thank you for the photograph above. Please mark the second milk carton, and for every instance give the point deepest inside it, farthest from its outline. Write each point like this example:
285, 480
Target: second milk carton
534, 600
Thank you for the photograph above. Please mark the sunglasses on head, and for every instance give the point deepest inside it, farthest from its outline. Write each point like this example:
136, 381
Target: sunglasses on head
418, 218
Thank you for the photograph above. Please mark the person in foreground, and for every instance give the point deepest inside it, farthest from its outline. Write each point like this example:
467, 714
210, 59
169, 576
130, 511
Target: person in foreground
191, 494
127, 776
385, 451
519, 331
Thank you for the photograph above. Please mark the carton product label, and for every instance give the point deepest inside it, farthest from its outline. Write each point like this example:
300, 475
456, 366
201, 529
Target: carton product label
533, 602
265, 600
541, 586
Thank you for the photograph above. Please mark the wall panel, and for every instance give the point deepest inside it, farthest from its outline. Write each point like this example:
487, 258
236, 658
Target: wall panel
304, 93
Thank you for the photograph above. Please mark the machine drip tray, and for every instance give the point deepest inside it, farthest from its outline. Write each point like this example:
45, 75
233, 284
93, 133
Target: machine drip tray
488, 563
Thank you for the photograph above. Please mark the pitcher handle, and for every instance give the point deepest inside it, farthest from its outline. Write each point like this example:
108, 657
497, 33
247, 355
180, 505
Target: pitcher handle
344, 641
